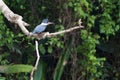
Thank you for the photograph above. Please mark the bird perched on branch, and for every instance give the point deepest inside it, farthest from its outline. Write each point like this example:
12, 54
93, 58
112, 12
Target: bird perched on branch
40, 28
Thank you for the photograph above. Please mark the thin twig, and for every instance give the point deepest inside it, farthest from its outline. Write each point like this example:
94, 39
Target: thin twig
37, 61
38, 56
64, 31
48, 35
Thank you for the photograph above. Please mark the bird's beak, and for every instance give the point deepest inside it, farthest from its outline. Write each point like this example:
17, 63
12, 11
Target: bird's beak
50, 23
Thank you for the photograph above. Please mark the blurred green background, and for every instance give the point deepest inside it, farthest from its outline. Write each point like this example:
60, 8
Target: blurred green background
92, 53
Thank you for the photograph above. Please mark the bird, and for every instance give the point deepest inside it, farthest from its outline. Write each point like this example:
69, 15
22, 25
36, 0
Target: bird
41, 27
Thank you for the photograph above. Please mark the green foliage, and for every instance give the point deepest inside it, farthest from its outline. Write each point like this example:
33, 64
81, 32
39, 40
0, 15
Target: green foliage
2, 78
61, 64
87, 48
42, 49
89, 56
4, 61
106, 25
41, 71
15, 68
6, 36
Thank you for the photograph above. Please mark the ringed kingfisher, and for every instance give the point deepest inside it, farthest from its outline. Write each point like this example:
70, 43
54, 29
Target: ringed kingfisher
41, 27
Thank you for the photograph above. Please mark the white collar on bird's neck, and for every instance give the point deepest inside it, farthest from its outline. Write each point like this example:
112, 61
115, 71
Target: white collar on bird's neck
44, 24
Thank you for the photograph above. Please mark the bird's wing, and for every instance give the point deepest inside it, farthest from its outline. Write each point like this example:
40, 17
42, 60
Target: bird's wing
39, 29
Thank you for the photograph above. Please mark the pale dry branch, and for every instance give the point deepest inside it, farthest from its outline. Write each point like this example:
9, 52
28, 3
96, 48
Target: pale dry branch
37, 61
48, 35
17, 19
64, 31
13, 18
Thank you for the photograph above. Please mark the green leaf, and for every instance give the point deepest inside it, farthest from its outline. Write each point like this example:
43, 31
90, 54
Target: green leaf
70, 4
61, 64
50, 49
117, 27
15, 68
42, 49
2, 78
40, 72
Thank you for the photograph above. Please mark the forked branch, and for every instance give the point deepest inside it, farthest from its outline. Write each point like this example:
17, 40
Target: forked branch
17, 19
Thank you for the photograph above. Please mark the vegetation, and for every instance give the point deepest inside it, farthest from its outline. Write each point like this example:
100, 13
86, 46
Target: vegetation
92, 53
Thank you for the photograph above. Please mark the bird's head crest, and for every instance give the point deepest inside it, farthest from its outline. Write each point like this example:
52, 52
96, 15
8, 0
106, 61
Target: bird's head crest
45, 21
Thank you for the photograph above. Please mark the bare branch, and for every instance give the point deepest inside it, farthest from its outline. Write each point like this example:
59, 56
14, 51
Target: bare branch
37, 61
13, 18
48, 35
64, 31
17, 19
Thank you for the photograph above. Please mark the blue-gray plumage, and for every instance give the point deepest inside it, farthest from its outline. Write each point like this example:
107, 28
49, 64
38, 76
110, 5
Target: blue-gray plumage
40, 28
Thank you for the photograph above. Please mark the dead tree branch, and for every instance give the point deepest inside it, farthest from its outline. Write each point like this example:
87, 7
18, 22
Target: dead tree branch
13, 18
37, 61
48, 35
17, 19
